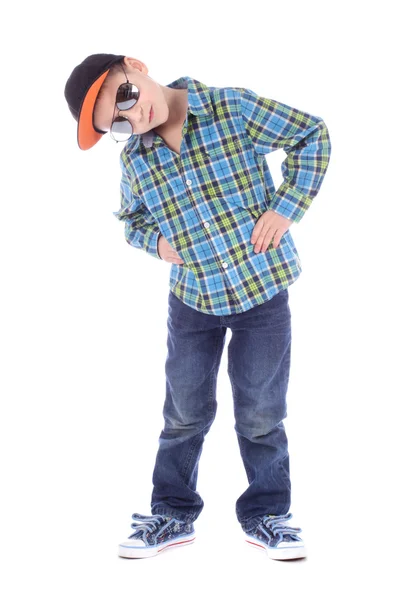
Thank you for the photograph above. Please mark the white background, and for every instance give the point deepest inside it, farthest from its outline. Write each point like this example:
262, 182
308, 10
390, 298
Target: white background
83, 314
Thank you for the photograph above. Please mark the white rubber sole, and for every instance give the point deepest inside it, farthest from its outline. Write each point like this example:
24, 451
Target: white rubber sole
287, 553
126, 551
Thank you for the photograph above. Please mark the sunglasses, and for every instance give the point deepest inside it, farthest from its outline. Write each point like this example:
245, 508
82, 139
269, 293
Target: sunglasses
127, 96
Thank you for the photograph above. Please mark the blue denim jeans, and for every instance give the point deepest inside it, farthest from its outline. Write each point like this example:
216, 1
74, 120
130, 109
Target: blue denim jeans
258, 368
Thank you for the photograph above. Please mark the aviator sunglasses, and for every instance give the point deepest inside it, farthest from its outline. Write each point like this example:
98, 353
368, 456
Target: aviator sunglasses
126, 97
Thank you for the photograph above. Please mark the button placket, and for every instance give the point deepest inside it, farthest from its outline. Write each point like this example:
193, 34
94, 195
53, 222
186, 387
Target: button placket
206, 224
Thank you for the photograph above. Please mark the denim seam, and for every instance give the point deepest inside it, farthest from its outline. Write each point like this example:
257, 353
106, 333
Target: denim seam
234, 394
242, 453
212, 390
210, 414
192, 450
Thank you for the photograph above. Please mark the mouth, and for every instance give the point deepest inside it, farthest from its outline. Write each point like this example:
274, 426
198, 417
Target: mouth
151, 114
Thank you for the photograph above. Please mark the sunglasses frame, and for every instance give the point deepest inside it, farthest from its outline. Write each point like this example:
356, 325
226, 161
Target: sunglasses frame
119, 109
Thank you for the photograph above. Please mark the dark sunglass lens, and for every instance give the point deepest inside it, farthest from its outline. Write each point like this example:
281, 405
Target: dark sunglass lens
121, 129
127, 96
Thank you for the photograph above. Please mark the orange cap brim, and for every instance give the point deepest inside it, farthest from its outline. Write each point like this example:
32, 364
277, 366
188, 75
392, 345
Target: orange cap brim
87, 136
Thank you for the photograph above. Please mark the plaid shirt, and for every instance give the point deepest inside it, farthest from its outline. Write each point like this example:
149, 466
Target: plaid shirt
206, 201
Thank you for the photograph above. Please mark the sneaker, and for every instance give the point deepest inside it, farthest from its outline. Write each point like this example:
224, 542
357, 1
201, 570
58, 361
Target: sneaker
279, 539
155, 533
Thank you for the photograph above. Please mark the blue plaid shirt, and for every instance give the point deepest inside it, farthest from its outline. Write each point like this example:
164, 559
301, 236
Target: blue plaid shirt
206, 201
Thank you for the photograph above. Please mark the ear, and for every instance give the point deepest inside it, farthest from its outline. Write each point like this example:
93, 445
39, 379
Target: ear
135, 63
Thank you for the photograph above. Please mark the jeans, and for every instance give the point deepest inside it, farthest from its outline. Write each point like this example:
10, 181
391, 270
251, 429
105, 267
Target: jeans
258, 368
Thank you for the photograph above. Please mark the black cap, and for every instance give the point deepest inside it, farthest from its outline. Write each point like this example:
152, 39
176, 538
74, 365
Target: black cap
81, 91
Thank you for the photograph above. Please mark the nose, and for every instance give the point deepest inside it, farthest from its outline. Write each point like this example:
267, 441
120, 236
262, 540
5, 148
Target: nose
134, 114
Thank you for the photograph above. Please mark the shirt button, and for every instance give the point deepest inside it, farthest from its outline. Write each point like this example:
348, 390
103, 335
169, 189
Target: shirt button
224, 264
207, 224
188, 182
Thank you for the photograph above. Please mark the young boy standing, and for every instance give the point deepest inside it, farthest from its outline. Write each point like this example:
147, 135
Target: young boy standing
196, 191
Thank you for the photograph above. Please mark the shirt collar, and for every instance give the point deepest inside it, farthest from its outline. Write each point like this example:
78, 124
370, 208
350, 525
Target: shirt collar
199, 104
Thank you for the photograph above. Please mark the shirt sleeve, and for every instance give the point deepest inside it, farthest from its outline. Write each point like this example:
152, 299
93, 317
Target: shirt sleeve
305, 139
141, 229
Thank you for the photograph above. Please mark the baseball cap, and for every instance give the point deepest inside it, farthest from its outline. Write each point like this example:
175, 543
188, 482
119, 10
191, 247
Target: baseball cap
81, 91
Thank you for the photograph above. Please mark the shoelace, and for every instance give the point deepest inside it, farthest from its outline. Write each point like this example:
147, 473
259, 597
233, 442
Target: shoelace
146, 524
277, 524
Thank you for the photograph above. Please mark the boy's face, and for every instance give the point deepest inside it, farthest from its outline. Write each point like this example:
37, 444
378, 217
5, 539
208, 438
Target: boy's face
150, 96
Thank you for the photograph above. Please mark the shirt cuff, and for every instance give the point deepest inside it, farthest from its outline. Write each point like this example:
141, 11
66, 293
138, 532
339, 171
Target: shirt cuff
158, 237
290, 203
150, 241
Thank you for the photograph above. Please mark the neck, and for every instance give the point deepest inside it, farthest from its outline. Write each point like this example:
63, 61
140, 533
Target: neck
177, 101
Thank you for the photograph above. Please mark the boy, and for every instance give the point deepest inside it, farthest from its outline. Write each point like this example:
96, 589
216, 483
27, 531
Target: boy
196, 192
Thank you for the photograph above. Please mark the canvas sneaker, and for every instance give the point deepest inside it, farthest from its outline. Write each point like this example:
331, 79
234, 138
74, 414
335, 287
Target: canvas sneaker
155, 533
280, 540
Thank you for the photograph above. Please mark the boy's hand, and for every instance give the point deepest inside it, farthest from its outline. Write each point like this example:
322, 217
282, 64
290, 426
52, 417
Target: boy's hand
269, 226
167, 252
